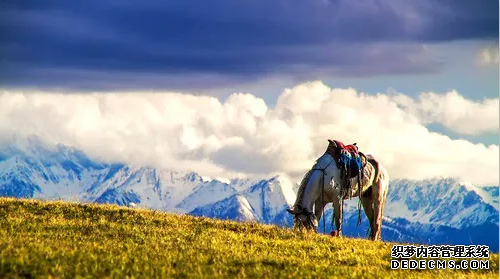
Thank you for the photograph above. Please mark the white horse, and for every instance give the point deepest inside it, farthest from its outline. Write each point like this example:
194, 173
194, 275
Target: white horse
323, 184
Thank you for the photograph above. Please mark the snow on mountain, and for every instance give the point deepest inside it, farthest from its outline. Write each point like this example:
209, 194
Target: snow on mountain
241, 184
440, 202
487, 194
266, 201
37, 171
235, 207
157, 189
206, 193
34, 170
491, 193
270, 197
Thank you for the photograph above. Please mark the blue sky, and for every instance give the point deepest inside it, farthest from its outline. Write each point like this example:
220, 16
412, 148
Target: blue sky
217, 48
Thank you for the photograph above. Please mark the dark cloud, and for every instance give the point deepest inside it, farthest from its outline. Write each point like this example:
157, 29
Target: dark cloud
85, 43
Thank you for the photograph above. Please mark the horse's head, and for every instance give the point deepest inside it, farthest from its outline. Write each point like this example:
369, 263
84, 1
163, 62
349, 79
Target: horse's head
302, 218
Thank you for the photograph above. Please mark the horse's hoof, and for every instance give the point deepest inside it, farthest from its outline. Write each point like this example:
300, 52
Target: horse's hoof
334, 233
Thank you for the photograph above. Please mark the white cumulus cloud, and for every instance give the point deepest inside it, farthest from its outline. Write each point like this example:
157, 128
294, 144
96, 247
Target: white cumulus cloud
243, 136
454, 112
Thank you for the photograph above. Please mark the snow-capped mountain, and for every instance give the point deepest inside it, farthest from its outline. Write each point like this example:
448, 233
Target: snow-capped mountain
206, 193
37, 171
152, 188
428, 211
445, 202
235, 207
266, 202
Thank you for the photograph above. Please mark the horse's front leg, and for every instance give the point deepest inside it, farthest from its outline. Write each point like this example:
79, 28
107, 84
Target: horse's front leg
338, 215
319, 208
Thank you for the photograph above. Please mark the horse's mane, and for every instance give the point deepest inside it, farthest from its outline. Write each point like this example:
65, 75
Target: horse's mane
305, 179
302, 187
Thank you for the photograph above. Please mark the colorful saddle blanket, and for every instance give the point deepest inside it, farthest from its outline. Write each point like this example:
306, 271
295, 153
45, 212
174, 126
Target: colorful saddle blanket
348, 158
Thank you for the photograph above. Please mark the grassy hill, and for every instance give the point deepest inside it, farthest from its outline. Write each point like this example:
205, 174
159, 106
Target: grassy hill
55, 239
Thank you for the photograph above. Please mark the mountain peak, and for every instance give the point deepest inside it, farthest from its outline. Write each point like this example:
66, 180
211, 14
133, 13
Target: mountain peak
440, 201
235, 207
286, 187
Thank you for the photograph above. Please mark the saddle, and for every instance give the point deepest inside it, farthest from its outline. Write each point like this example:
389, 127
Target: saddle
347, 157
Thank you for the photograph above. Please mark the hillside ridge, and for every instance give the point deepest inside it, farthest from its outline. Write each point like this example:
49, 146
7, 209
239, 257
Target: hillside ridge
61, 239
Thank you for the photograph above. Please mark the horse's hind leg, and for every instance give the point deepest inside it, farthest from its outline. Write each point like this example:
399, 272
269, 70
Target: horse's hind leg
337, 213
379, 193
367, 203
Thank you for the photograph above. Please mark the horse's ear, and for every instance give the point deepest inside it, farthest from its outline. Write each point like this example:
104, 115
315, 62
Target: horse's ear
355, 143
332, 142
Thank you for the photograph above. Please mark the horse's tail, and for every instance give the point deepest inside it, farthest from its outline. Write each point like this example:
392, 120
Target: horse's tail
380, 171
369, 159
375, 165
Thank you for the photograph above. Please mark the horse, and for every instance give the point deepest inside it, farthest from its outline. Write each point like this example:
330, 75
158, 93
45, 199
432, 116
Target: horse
324, 183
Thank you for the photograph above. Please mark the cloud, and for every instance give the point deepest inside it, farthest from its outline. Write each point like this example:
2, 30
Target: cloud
454, 112
236, 40
242, 135
488, 56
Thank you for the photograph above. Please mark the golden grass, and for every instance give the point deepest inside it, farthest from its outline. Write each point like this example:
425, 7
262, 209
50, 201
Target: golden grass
41, 239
